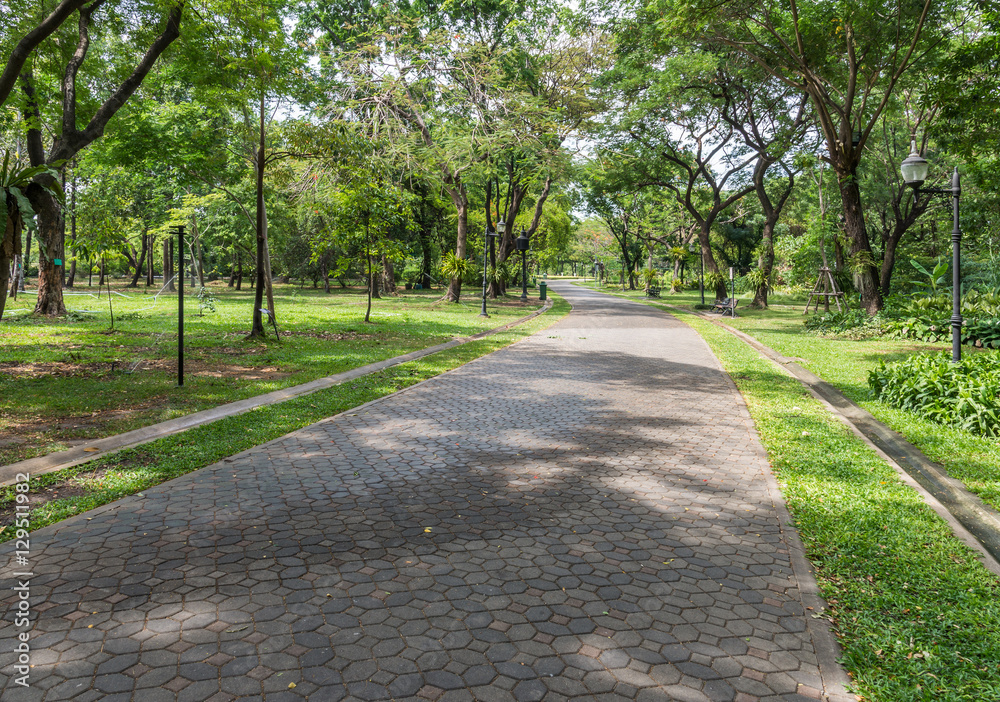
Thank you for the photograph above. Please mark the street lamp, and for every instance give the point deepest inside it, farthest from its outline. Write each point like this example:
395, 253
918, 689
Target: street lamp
914, 169
522, 245
487, 245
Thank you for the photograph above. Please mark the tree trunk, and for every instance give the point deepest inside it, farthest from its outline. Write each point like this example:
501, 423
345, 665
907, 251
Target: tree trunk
388, 276
150, 267
139, 264
372, 291
721, 291
239, 271
50, 296
765, 263
862, 259
10, 249
12, 272
257, 327
168, 265
461, 201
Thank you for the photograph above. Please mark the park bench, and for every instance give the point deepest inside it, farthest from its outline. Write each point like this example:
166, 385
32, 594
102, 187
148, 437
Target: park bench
727, 305
652, 291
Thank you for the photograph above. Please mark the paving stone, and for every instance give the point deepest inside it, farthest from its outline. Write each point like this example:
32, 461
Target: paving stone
583, 515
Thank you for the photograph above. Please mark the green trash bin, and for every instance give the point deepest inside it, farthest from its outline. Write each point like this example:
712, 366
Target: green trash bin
543, 288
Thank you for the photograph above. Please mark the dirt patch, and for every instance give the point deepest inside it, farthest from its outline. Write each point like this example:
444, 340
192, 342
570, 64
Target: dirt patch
215, 370
34, 371
68, 488
58, 369
327, 336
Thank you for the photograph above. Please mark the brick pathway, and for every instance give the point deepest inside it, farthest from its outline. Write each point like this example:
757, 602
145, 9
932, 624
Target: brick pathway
585, 515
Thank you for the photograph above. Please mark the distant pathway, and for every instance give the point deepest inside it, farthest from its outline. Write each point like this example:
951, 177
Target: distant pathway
585, 515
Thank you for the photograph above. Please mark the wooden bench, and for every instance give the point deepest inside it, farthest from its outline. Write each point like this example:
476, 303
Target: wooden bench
652, 291
727, 305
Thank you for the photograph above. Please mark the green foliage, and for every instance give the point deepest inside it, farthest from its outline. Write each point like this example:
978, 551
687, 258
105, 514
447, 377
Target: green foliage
14, 182
206, 301
855, 324
454, 267
962, 394
933, 280
715, 279
756, 278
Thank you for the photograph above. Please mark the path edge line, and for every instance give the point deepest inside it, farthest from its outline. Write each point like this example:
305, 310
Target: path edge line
60, 460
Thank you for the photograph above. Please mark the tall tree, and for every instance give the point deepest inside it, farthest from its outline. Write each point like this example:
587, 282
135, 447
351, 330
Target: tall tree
849, 58
62, 116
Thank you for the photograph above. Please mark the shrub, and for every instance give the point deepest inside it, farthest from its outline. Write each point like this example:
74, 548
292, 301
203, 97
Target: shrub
962, 394
856, 324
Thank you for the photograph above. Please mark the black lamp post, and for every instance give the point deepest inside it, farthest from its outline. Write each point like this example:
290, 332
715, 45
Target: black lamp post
180, 303
522, 245
914, 169
487, 243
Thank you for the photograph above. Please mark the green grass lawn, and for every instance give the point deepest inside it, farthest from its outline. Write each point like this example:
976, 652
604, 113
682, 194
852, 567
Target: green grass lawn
66, 381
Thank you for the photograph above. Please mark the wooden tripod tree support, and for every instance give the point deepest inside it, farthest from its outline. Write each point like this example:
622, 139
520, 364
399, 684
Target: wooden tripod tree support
830, 289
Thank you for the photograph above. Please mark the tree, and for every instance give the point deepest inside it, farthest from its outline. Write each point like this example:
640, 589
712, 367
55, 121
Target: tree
772, 120
16, 181
619, 208
849, 58
69, 139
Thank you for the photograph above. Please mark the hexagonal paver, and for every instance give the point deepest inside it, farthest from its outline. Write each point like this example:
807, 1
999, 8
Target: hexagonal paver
584, 515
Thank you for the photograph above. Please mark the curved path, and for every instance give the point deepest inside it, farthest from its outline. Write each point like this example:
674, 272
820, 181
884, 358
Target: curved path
583, 515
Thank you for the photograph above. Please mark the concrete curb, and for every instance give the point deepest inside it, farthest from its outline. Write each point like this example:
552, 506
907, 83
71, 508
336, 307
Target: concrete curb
974, 522
60, 460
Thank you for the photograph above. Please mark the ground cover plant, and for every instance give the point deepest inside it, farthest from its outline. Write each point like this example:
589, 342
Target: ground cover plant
961, 394
70, 380
62, 494
917, 615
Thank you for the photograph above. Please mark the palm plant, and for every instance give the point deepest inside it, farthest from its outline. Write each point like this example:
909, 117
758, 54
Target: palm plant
18, 213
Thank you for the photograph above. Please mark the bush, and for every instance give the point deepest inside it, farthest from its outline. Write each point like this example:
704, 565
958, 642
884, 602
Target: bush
963, 394
855, 324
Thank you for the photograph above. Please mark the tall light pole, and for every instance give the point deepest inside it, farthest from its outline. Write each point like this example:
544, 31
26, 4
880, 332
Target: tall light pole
180, 304
914, 169
522, 245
